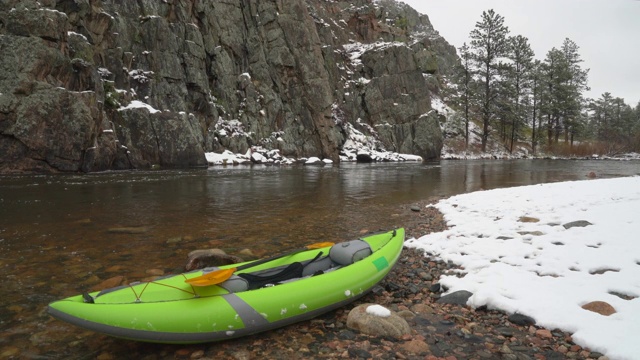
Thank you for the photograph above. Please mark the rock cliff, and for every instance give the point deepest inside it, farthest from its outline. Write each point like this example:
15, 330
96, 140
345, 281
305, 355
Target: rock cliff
90, 85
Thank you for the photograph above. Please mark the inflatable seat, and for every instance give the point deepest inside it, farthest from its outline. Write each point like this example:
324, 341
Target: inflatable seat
235, 284
346, 253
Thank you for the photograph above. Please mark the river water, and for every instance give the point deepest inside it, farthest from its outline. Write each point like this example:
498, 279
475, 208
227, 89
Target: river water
64, 234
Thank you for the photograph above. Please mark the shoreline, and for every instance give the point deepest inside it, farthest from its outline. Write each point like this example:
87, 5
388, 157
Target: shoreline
439, 331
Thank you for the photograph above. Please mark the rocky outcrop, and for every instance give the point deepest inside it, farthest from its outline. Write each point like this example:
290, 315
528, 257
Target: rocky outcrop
90, 85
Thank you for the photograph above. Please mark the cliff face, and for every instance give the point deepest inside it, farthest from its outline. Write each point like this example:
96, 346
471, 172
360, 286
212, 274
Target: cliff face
89, 85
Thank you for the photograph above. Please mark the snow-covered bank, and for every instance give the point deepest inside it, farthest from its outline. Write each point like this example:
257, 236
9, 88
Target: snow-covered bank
358, 147
520, 253
503, 155
259, 155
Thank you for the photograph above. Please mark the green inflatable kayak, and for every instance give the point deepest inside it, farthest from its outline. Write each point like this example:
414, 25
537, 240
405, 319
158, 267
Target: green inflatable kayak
222, 303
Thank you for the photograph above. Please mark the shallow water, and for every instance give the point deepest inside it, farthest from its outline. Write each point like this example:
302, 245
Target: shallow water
63, 234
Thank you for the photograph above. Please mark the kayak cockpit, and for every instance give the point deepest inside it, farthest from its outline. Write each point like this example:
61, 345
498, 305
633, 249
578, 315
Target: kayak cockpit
342, 254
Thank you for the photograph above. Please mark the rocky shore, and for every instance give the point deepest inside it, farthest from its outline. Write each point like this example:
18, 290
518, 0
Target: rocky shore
439, 330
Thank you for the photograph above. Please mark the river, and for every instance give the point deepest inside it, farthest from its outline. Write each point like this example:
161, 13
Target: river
64, 234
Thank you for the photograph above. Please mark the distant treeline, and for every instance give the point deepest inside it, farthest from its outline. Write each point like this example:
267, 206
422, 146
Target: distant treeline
512, 95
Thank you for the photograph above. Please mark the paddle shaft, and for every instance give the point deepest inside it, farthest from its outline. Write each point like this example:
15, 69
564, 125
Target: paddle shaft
218, 276
264, 261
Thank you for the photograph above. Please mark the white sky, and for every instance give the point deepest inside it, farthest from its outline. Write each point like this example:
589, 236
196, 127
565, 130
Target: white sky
607, 31
543, 270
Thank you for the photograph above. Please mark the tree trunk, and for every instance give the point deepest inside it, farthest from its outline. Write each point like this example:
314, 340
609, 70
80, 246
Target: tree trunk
533, 123
486, 114
549, 130
466, 123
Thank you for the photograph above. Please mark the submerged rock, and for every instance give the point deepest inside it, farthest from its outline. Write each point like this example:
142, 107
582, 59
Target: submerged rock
199, 259
128, 230
109, 283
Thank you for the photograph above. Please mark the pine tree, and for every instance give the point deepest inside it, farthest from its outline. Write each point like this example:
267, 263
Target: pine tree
555, 94
536, 98
519, 70
466, 92
503, 105
488, 46
601, 119
577, 83
615, 123
635, 145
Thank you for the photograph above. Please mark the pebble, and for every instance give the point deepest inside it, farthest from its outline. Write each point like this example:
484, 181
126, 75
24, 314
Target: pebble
578, 223
155, 272
425, 276
197, 354
544, 334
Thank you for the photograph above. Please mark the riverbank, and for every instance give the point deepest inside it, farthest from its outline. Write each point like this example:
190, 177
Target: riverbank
562, 253
440, 331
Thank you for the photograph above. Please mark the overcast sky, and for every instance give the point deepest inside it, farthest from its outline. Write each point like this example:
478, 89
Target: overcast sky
607, 32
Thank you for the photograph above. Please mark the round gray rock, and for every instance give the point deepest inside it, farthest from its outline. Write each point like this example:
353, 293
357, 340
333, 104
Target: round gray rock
457, 298
372, 324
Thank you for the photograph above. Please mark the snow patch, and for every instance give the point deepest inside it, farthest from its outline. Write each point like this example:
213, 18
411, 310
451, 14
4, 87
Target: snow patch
378, 310
137, 104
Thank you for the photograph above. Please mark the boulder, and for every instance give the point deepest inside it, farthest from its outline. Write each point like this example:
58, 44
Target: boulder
199, 259
363, 157
314, 161
371, 320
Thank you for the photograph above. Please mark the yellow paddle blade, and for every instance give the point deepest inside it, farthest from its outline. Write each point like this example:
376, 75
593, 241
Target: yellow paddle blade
212, 278
320, 245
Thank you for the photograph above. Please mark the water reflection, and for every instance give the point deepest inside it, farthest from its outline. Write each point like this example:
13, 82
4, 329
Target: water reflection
63, 234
